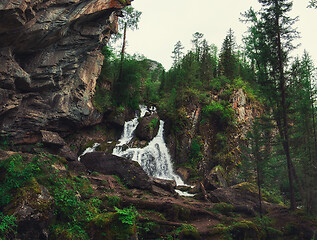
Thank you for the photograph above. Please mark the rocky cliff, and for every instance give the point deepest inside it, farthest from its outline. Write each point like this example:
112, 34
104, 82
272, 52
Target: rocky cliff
50, 59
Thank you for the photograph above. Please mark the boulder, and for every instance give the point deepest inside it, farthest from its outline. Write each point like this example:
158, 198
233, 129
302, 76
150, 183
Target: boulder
67, 153
52, 139
168, 185
129, 171
34, 209
243, 194
148, 127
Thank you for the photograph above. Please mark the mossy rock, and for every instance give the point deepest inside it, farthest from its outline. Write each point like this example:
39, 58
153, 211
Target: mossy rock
245, 230
179, 213
107, 226
189, 234
223, 208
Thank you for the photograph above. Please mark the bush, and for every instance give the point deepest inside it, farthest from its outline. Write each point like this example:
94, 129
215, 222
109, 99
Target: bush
221, 110
7, 226
16, 173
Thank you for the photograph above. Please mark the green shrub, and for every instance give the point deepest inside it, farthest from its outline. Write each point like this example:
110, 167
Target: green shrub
187, 232
69, 231
102, 99
113, 201
221, 110
16, 173
127, 215
7, 226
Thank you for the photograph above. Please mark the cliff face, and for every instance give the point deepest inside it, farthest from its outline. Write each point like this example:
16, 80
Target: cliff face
206, 142
50, 59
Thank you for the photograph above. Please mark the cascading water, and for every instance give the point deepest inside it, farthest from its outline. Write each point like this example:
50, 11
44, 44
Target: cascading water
90, 149
154, 158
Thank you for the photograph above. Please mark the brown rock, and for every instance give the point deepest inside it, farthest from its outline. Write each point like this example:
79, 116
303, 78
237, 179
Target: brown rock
129, 171
52, 138
50, 58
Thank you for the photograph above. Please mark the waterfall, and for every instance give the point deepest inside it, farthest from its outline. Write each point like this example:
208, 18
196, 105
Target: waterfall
89, 149
154, 158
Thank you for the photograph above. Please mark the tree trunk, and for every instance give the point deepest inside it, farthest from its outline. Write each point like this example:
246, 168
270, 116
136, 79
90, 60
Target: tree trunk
284, 127
123, 51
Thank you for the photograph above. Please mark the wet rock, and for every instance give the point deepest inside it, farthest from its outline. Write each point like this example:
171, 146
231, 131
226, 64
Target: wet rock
183, 172
148, 127
129, 171
168, 185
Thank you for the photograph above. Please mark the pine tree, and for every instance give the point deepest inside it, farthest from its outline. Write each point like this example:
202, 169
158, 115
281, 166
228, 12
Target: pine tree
228, 61
177, 53
271, 39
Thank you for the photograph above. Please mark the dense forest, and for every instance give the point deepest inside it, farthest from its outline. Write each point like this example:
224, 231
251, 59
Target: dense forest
237, 119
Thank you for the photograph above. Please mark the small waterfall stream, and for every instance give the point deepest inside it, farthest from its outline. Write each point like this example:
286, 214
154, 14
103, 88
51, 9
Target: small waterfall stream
154, 158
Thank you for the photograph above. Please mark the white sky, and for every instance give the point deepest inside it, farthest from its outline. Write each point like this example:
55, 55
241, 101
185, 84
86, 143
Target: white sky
165, 22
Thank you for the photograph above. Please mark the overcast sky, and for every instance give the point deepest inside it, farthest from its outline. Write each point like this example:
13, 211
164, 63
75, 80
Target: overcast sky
165, 22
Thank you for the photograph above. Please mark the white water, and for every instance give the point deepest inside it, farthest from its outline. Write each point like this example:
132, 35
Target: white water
154, 158
90, 149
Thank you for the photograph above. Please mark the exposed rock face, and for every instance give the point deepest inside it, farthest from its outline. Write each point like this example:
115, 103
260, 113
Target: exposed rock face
130, 171
50, 59
211, 136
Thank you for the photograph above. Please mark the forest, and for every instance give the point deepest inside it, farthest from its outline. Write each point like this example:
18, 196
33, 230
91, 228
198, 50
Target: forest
239, 125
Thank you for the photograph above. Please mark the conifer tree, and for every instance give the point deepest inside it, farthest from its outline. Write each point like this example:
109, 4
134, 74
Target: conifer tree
271, 39
228, 61
177, 53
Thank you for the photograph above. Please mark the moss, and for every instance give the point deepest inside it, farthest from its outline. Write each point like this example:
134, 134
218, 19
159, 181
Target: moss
106, 147
113, 201
245, 230
188, 232
223, 208
179, 213
108, 226
30, 196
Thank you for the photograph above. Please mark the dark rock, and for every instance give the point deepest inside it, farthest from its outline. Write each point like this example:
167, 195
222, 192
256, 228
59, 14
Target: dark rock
244, 209
50, 58
215, 179
129, 171
76, 166
168, 185
238, 195
34, 212
52, 139
67, 153
148, 127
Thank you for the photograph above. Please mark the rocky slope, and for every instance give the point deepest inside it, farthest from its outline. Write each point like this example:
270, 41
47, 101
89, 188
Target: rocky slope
41, 195
50, 59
